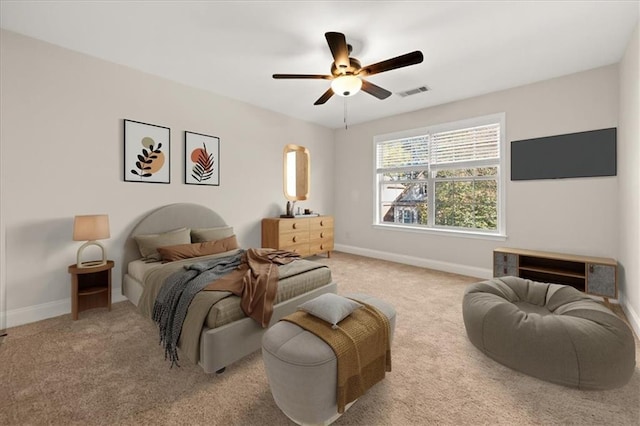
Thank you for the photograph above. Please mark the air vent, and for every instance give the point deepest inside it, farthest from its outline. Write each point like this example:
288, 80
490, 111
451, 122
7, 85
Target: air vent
415, 91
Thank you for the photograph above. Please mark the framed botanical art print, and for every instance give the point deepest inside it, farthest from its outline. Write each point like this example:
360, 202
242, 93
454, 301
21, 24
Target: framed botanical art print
146, 152
202, 159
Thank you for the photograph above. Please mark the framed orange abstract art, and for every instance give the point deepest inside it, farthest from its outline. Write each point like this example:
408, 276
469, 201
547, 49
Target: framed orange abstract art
146, 152
202, 159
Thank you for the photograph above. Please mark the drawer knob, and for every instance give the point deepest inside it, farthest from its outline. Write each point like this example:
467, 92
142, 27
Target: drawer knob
321, 223
505, 270
295, 239
505, 257
321, 247
295, 226
322, 235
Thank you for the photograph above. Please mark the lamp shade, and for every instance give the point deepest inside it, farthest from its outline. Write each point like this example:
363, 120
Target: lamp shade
346, 85
91, 227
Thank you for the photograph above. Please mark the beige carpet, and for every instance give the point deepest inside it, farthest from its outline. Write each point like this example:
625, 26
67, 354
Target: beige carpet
107, 368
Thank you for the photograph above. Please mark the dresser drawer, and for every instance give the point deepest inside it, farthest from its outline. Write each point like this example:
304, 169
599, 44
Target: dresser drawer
301, 249
321, 246
321, 222
293, 237
293, 225
321, 234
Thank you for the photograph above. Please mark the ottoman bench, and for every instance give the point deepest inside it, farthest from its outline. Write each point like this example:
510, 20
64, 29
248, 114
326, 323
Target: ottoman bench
549, 331
302, 368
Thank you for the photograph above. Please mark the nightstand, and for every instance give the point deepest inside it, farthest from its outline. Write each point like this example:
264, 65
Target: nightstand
90, 287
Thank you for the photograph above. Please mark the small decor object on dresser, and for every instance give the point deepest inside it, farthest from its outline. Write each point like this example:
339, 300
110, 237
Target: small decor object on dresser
90, 287
202, 159
146, 152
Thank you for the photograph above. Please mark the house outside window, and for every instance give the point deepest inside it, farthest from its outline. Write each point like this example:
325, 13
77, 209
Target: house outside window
445, 178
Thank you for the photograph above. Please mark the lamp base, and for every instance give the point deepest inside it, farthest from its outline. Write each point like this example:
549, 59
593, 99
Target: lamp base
91, 263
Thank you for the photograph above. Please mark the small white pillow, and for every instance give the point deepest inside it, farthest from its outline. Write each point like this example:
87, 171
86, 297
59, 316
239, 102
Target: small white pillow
330, 308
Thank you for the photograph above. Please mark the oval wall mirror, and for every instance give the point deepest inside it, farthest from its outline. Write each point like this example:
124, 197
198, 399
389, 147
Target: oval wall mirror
296, 168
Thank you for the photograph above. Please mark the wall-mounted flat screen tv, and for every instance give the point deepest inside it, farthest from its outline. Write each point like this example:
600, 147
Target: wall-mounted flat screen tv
584, 154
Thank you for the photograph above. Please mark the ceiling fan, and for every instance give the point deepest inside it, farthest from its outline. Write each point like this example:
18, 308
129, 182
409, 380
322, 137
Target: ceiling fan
347, 73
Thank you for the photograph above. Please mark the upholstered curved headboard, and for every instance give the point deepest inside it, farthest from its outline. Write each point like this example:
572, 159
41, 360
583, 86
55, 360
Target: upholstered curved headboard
167, 218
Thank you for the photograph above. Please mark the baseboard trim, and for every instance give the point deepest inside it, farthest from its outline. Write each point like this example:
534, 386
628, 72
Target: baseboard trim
632, 315
439, 265
21, 316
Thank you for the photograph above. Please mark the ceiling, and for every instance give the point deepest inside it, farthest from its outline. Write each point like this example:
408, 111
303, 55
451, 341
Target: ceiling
233, 48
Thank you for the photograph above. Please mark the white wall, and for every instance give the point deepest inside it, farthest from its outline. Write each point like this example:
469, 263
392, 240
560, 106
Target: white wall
61, 155
568, 215
629, 179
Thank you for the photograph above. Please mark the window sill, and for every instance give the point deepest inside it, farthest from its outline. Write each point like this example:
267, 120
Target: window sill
443, 232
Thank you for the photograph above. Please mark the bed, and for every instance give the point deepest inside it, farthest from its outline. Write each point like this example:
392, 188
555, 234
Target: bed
219, 344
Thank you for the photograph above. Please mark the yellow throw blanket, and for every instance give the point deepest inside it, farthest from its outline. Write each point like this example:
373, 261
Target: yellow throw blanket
362, 347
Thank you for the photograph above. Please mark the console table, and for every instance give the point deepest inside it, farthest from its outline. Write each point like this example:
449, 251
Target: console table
593, 275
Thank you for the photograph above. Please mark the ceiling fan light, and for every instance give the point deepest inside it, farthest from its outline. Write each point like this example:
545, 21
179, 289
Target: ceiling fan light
346, 85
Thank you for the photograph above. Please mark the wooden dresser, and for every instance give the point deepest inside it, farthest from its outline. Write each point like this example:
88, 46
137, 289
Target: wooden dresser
304, 235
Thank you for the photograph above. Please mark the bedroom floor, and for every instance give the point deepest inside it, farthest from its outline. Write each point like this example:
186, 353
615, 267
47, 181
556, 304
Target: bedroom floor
107, 368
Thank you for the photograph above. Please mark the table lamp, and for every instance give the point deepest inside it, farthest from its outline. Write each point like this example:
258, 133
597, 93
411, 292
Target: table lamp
90, 228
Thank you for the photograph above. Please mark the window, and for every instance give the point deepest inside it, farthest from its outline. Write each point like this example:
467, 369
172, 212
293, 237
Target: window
446, 177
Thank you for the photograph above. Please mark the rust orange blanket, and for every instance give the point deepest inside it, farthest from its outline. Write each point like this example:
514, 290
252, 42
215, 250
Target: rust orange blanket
255, 281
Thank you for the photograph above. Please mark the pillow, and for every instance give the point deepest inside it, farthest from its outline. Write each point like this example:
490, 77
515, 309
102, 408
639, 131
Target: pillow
148, 243
200, 235
330, 307
187, 251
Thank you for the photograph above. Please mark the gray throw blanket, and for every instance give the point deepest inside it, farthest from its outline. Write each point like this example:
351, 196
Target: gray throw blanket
177, 292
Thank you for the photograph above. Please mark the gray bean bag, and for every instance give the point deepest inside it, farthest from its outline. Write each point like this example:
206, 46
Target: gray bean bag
549, 331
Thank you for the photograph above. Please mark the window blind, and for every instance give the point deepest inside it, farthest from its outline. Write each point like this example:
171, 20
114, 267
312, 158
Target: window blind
403, 152
472, 144
451, 147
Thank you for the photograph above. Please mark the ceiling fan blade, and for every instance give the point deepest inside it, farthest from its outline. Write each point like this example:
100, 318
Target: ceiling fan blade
325, 97
393, 63
338, 45
374, 90
306, 76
